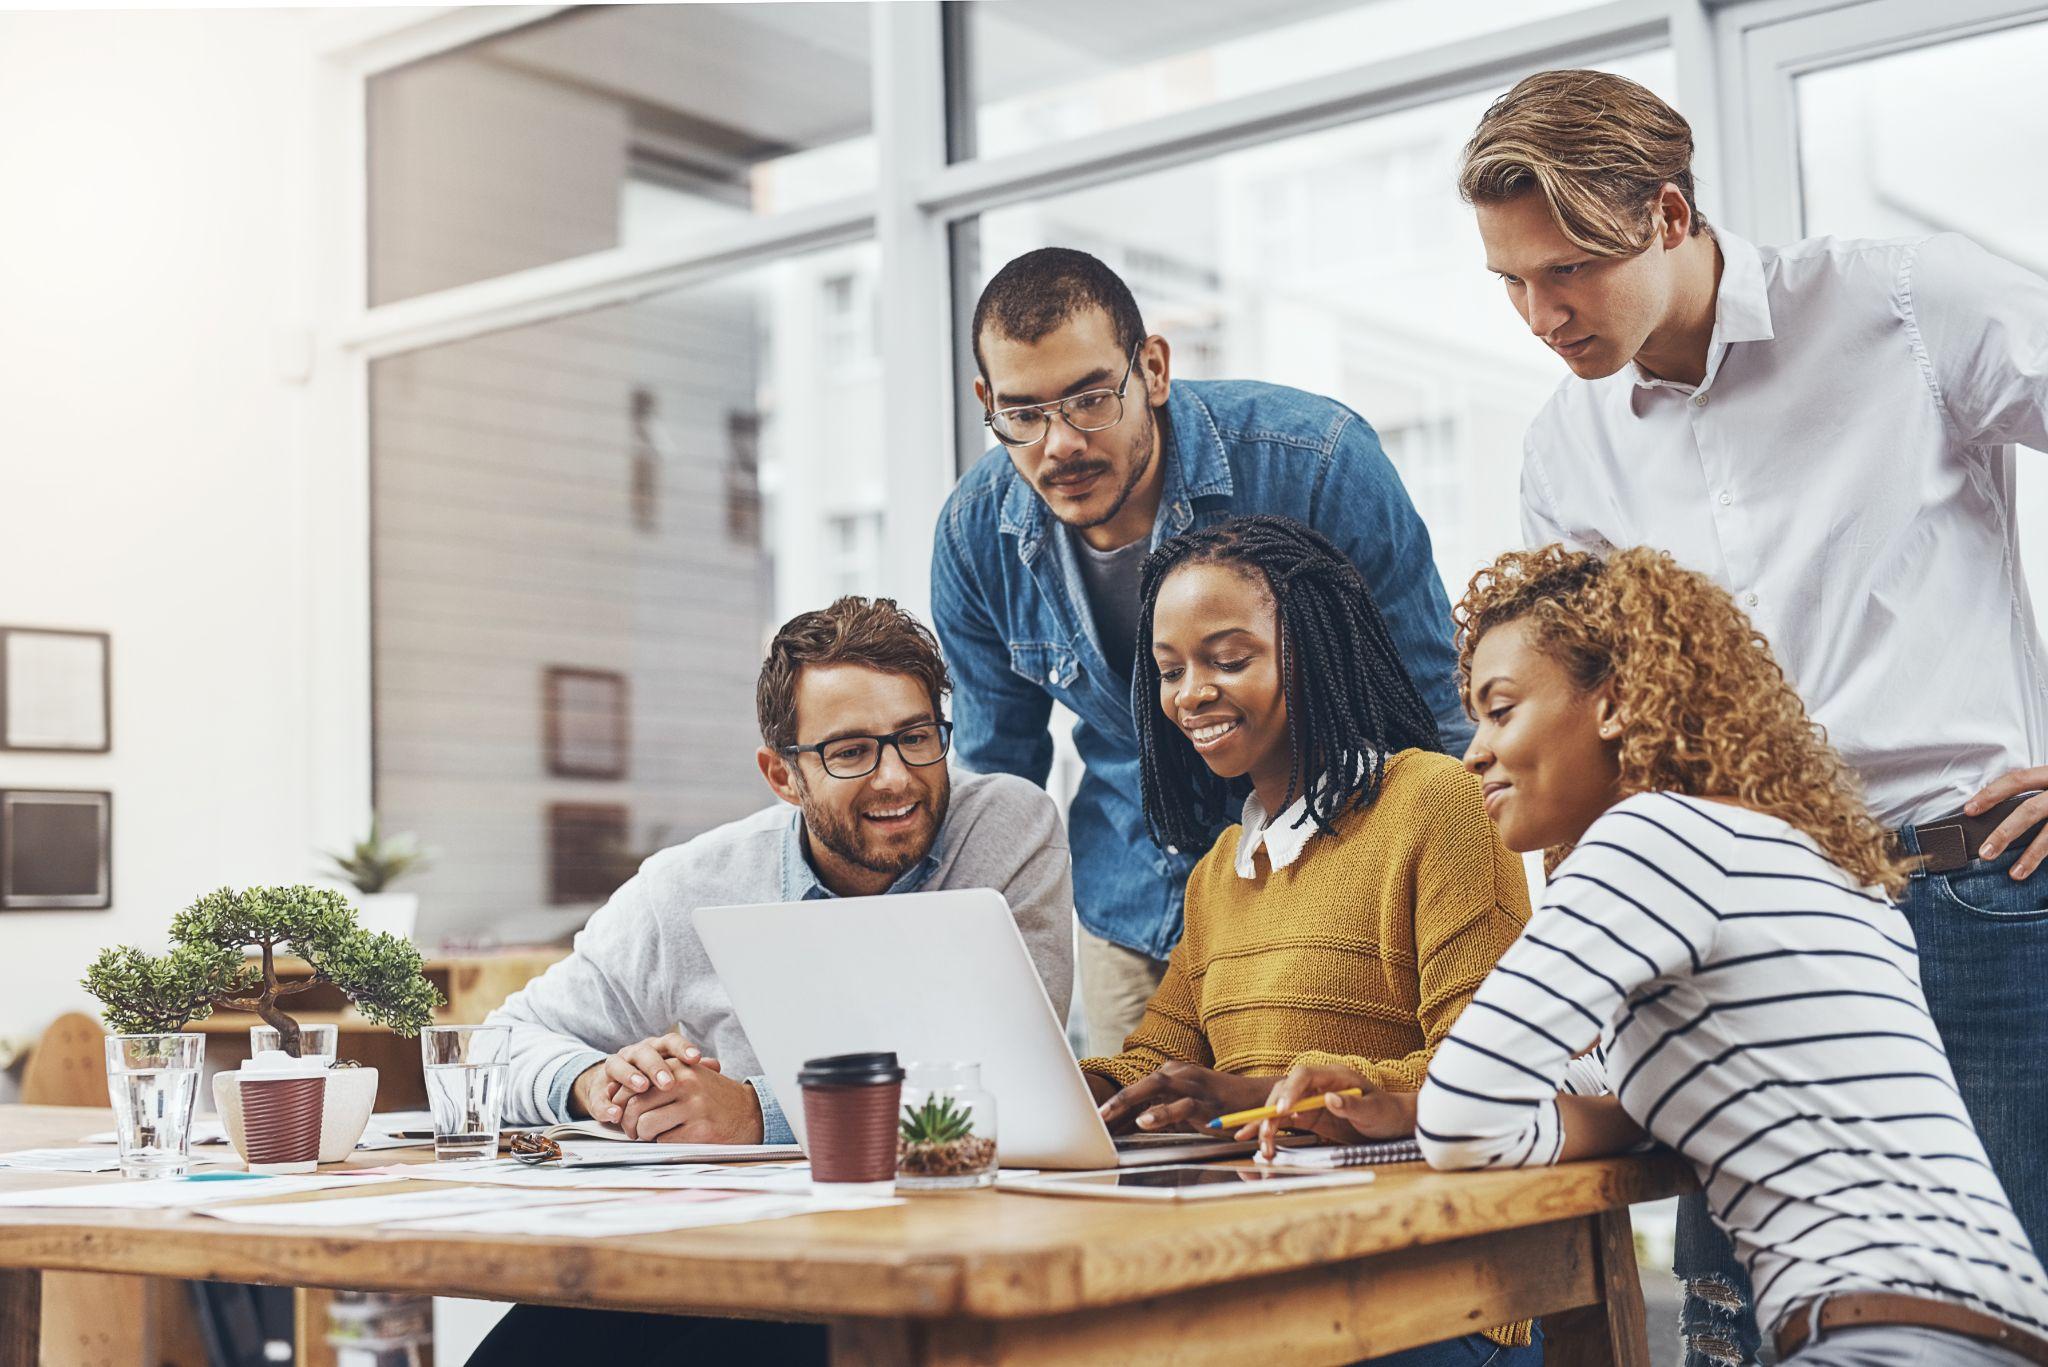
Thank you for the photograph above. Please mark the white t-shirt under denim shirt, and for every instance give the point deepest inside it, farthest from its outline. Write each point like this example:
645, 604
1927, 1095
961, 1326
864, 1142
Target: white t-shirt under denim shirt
1761, 1014
1846, 471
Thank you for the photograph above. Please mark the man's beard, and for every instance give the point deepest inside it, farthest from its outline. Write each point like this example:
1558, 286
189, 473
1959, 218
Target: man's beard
842, 834
1149, 444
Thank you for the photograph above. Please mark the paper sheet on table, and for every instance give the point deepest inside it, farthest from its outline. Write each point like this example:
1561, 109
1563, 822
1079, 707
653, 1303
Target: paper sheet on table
651, 1214
778, 1177
591, 1153
176, 1193
93, 1158
206, 1129
402, 1207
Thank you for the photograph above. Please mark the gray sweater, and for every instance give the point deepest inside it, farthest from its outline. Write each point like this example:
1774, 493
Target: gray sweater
638, 968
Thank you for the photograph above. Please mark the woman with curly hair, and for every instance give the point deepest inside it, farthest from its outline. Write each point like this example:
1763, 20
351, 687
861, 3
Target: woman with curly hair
1717, 944
1362, 895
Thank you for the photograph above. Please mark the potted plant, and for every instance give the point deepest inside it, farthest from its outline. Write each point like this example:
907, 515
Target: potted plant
938, 1145
371, 867
208, 967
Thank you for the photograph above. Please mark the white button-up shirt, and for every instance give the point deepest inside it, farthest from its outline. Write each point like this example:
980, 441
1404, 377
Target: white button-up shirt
1845, 470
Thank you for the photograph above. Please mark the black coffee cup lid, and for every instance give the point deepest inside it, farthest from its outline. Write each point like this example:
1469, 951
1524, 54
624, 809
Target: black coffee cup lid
850, 1070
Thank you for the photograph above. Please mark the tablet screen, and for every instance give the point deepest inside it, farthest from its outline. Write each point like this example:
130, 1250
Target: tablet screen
1180, 1177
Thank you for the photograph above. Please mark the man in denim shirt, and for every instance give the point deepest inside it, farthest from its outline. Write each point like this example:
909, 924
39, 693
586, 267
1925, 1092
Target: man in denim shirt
1035, 569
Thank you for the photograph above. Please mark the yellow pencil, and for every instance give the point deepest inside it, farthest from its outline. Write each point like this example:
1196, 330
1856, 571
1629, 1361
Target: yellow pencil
1314, 1103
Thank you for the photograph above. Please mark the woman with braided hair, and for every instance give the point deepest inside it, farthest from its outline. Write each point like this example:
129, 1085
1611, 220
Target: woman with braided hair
1362, 897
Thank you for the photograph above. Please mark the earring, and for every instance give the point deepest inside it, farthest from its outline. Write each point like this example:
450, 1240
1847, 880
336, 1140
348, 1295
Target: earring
1611, 731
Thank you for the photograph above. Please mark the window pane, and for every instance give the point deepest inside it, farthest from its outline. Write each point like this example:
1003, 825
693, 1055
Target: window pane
611, 126
1056, 69
1341, 262
584, 531
1896, 147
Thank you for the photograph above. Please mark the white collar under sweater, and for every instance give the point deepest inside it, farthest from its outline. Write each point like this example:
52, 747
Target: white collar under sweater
1283, 836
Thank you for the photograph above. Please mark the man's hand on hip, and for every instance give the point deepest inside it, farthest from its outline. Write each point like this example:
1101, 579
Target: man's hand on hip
2028, 814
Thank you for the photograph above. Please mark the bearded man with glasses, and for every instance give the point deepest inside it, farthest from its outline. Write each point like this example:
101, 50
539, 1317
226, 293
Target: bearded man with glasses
1100, 456
634, 1027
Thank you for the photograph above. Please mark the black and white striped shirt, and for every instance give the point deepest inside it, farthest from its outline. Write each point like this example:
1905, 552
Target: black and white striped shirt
1762, 1015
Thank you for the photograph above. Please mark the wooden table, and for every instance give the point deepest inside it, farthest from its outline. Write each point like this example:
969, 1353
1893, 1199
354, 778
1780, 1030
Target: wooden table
983, 1278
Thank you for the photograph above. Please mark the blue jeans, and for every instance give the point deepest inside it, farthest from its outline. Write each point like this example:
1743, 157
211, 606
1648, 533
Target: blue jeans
1473, 1350
1983, 959
1983, 942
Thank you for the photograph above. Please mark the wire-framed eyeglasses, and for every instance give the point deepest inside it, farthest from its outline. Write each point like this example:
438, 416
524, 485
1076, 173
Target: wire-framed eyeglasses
859, 756
1091, 410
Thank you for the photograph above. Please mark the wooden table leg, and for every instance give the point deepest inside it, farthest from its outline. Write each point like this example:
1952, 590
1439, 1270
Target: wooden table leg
1614, 1330
309, 1326
21, 1316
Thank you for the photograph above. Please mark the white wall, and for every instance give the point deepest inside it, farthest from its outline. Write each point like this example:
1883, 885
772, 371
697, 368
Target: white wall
152, 254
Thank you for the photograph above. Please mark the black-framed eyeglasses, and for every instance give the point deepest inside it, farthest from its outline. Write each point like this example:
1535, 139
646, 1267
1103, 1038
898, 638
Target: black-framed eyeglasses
1091, 410
858, 756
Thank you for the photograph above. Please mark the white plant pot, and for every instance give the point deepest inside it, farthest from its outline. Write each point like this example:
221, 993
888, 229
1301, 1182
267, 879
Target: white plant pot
388, 913
351, 1096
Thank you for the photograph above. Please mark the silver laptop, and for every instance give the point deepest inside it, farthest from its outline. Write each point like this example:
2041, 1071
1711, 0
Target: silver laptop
932, 976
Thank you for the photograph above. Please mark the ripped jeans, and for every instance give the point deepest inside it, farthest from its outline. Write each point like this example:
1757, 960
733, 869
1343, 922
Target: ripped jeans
1717, 1315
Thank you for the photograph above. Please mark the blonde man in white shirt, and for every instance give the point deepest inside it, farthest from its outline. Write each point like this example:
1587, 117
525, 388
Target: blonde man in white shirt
1826, 429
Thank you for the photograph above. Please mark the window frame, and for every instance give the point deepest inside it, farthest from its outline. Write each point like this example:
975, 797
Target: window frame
921, 214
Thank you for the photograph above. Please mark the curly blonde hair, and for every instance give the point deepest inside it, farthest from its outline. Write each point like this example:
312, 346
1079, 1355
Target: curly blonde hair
1706, 708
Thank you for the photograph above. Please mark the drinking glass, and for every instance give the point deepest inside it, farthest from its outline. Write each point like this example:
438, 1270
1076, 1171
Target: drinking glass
152, 1080
465, 1066
315, 1041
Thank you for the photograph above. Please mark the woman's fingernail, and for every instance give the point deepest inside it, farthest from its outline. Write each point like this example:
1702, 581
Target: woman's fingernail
1984, 850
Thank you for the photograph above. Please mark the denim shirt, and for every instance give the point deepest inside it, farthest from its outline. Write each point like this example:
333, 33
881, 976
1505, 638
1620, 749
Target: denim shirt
1013, 618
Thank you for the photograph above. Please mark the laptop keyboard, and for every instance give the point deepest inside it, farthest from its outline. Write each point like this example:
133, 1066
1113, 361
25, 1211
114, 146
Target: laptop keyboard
1155, 1141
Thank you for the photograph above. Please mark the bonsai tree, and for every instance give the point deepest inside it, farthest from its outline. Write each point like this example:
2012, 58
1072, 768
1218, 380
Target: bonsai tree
208, 965
375, 863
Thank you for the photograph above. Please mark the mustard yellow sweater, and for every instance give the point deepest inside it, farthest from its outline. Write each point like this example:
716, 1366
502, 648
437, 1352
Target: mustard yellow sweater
1363, 950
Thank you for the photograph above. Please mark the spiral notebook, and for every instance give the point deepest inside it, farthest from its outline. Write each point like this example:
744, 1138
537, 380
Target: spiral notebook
1351, 1155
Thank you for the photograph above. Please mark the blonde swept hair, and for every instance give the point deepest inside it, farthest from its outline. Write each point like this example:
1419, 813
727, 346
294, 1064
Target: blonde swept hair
1705, 709
1597, 147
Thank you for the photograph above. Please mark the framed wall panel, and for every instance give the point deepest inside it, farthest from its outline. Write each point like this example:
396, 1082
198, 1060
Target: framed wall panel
56, 690
56, 850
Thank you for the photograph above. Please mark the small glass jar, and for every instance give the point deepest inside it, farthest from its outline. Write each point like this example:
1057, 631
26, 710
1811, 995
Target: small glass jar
946, 1130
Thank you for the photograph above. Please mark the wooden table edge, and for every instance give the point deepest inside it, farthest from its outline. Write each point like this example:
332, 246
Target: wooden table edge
848, 1280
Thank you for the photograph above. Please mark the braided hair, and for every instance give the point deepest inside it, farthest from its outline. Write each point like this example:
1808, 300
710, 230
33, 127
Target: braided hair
1350, 702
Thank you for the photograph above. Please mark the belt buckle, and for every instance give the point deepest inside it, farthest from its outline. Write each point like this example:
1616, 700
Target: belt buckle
1944, 847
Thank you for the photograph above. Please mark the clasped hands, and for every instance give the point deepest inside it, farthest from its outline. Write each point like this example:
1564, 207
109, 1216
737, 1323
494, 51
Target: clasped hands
666, 1089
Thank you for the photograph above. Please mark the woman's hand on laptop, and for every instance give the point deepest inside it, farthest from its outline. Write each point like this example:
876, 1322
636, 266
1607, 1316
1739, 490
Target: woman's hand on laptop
1181, 1096
1376, 1114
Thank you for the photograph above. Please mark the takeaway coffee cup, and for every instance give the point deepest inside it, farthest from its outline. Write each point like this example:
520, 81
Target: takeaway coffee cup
282, 1100
850, 1103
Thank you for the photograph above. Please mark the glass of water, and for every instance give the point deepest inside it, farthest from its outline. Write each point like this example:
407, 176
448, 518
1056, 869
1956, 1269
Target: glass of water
152, 1080
315, 1041
465, 1067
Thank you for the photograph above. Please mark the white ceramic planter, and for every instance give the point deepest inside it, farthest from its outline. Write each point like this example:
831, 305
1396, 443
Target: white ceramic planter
387, 913
351, 1095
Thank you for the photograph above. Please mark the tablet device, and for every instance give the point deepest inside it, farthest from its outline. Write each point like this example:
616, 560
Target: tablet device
1183, 1182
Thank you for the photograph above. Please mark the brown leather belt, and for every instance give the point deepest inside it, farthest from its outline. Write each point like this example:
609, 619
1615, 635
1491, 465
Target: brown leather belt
1951, 842
1871, 1308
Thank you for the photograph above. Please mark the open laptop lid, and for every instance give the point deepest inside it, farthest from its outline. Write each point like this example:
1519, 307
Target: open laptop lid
932, 976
